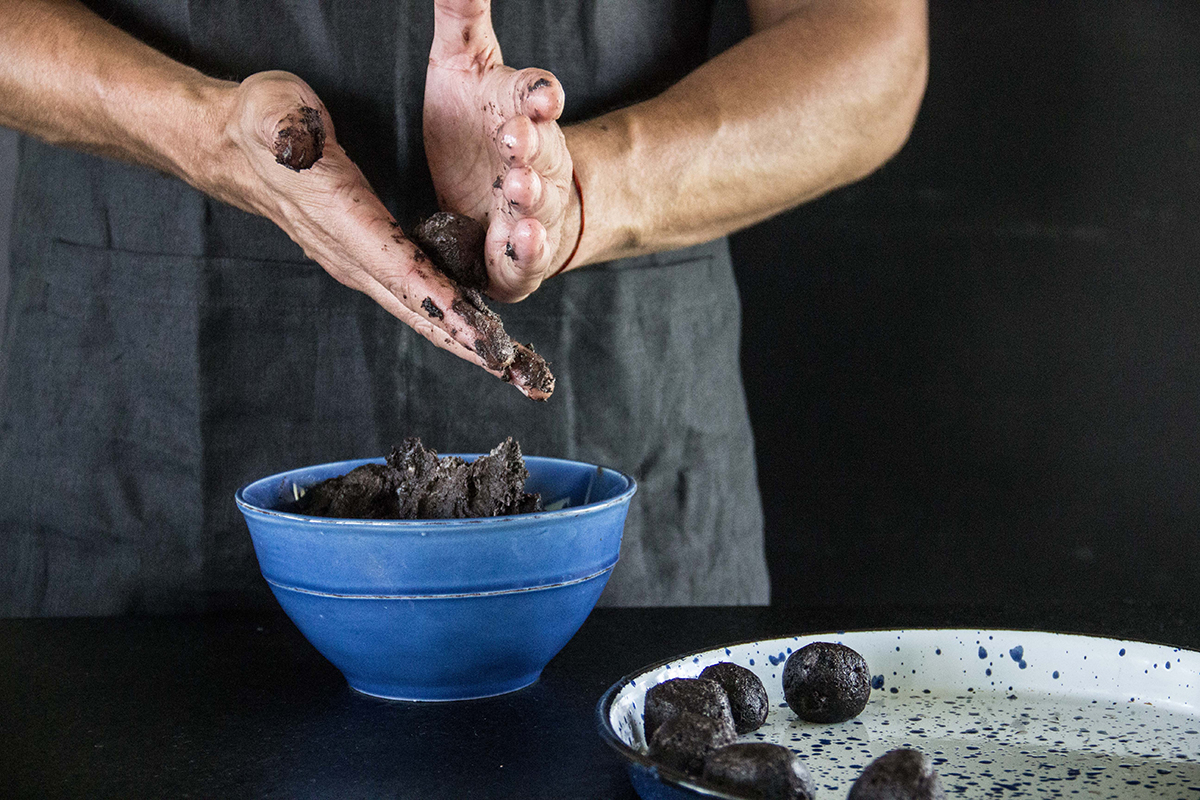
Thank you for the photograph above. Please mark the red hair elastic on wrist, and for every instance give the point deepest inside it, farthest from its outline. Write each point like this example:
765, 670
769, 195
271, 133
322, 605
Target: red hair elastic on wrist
579, 238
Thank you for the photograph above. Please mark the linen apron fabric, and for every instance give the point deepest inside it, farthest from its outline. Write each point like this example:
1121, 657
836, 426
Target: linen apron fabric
163, 349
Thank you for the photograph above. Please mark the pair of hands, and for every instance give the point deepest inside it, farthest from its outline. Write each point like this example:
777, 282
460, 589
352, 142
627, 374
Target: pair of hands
495, 151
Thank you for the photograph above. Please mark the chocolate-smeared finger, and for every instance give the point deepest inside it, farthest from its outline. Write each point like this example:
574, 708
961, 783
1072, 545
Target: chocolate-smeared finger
455, 245
530, 373
417, 282
539, 95
299, 139
492, 344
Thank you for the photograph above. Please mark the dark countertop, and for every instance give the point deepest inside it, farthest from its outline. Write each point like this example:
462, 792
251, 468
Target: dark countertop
242, 706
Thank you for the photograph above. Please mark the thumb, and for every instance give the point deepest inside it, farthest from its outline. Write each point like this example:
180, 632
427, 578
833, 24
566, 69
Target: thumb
463, 36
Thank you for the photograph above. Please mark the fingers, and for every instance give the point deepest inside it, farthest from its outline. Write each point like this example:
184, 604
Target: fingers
406, 273
528, 193
462, 35
538, 94
517, 257
390, 303
531, 199
344, 227
311, 189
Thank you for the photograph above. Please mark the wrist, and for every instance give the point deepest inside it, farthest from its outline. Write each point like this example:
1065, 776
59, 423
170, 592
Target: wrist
199, 146
598, 149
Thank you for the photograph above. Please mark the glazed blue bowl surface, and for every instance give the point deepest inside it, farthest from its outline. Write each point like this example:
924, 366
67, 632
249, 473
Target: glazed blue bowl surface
441, 609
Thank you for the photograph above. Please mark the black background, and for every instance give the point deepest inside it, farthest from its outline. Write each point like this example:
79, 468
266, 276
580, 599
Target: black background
973, 376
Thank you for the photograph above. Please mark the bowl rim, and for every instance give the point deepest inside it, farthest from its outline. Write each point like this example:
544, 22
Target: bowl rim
623, 496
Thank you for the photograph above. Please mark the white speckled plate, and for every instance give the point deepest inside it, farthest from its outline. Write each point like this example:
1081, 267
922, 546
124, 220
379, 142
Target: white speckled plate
1001, 713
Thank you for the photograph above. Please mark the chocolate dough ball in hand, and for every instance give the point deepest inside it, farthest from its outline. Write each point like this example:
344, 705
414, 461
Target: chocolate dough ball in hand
455, 243
697, 695
759, 770
684, 740
747, 695
826, 682
898, 775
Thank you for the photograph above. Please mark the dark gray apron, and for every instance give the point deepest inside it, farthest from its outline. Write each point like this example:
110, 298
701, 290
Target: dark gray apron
163, 349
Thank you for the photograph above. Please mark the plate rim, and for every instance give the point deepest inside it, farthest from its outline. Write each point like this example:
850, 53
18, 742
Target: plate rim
680, 779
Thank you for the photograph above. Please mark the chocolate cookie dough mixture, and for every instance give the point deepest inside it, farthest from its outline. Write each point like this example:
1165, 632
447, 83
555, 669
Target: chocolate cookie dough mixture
416, 483
300, 139
454, 242
455, 245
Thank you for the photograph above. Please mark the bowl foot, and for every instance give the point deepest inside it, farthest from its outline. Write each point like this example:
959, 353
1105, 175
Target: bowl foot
442, 694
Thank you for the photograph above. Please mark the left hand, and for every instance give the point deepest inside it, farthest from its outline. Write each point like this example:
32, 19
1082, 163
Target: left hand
495, 149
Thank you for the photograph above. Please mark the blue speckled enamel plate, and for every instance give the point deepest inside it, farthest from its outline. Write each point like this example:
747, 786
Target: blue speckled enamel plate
1001, 713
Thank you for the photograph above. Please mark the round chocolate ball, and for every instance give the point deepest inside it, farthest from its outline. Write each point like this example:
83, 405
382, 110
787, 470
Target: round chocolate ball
898, 775
826, 682
686, 739
759, 770
698, 695
747, 695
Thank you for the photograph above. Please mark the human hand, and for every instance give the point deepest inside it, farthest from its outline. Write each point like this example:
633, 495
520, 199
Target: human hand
495, 149
279, 158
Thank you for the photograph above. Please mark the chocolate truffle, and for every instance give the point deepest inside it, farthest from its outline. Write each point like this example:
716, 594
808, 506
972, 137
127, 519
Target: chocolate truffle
747, 695
759, 770
684, 740
898, 775
455, 243
697, 695
826, 682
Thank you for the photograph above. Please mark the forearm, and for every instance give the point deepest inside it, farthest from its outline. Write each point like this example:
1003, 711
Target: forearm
70, 78
810, 102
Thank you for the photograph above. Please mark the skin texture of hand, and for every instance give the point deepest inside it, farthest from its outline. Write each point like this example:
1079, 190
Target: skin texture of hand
822, 93
495, 149
328, 208
109, 94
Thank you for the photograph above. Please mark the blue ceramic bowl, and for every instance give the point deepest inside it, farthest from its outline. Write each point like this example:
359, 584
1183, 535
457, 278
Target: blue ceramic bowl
441, 609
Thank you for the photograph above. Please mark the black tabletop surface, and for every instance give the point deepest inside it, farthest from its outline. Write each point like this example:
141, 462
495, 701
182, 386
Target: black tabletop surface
242, 706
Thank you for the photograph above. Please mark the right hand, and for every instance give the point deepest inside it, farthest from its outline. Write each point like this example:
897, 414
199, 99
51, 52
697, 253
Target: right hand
329, 209
496, 151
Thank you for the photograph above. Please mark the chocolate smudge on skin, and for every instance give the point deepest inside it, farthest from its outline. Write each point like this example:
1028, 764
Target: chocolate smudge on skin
492, 344
530, 370
300, 141
431, 308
